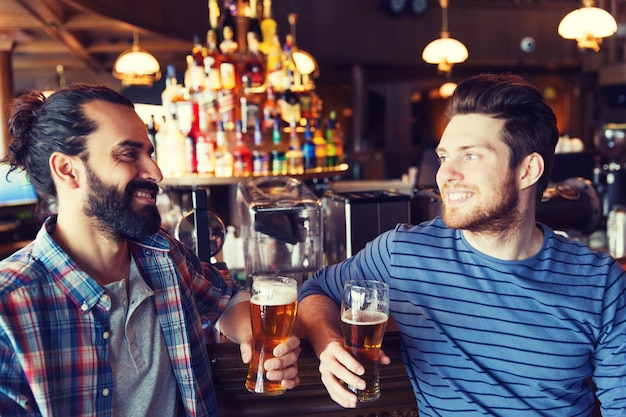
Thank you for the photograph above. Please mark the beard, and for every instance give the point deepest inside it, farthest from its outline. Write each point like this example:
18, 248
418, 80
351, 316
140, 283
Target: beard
113, 209
500, 214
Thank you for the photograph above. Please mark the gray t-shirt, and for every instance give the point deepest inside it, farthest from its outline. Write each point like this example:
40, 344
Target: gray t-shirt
144, 383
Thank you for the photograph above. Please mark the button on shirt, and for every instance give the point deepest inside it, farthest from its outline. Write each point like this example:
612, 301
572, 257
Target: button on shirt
55, 327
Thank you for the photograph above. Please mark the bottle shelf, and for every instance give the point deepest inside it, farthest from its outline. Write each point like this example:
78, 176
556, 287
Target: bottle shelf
200, 180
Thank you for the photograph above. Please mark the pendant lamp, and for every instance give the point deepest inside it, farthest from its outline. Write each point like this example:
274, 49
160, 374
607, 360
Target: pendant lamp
136, 66
445, 51
588, 25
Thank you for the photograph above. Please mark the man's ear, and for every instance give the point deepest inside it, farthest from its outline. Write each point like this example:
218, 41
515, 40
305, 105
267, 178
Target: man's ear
530, 170
64, 170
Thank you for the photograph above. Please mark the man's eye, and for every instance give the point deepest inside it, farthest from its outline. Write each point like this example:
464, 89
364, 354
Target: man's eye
442, 159
129, 155
471, 156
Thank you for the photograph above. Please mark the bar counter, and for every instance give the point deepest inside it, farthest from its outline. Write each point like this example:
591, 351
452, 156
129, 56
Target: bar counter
310, 398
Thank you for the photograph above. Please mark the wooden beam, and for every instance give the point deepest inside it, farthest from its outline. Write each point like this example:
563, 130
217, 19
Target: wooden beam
51, 16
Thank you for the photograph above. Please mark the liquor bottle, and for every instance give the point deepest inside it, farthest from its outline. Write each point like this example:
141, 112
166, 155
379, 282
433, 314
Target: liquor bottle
253, 67
274, 71
250, 106
288, 65
171, 151
320, 144
223, 156
196, 70
212, 62
308, 148
295, 163
227, 20
205, 151
268, 28
289, 102
260, 155
192, 138
228, 65
229, 45
242, 157
152, 129
170, 94
337, 137
270, 109
279, 161
331, 148
254, 25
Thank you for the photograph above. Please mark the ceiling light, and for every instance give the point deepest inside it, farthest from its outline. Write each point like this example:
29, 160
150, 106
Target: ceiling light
588, 25
447, 89
136, 66
445, 51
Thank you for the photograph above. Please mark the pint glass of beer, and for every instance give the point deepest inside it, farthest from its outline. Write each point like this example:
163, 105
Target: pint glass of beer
364, 314
273, 306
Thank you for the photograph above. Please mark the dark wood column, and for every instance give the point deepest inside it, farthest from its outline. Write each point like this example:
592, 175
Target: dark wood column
6, 92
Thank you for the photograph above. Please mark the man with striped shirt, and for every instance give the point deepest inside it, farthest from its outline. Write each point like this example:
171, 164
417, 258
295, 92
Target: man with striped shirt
103, 314
499, 316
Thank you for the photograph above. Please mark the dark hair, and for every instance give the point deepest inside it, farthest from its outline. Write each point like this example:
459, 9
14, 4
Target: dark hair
530, 124
39, 126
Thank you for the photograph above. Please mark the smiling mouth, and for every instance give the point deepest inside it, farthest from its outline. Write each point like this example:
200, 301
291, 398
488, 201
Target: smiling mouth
145, 194
458, 196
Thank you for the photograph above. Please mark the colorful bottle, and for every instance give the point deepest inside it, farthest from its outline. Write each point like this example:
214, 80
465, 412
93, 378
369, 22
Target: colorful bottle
152, 129
337, 138
171, 152
295, 162
223, 156
279, 161
254, 25
242, 157
289, 102
331, 149
170, 94
320, 144
253, 66
196, 70
212, 62
192, 138
308, 148
260, 154
270, 109
205, 152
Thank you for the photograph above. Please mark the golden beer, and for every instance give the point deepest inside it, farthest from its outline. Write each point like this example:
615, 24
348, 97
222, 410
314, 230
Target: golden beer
363, 336
364, 314
273, 308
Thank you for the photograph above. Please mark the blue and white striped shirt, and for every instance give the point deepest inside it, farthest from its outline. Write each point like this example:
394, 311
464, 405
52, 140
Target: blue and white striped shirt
483, 336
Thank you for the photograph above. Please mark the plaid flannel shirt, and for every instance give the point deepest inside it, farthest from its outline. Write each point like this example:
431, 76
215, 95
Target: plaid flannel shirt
54, 326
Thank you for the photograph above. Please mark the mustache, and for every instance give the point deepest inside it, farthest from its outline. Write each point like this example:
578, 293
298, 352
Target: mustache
142, 185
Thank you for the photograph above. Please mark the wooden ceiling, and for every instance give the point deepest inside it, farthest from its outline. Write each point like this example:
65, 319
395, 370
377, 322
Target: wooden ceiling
85, 36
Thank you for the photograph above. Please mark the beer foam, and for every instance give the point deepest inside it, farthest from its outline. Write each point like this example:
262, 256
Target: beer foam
364, 317
268, 295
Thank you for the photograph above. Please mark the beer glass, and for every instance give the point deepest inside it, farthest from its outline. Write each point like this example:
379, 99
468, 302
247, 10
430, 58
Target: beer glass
273, 305
364, 315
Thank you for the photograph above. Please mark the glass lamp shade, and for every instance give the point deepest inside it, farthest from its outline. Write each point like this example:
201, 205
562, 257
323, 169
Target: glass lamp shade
305, 63
136, 66
445, 50
447, 89
587, 23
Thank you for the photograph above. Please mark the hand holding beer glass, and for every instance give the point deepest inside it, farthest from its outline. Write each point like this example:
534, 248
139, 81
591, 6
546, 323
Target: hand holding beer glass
364, 315
273, 305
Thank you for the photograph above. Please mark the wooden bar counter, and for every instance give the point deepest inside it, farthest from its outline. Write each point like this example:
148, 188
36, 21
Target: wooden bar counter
310, 398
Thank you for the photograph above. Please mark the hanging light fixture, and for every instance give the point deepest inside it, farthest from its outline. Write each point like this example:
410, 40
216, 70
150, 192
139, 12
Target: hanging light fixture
136, 66
447, 89
445, 51
588, 25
